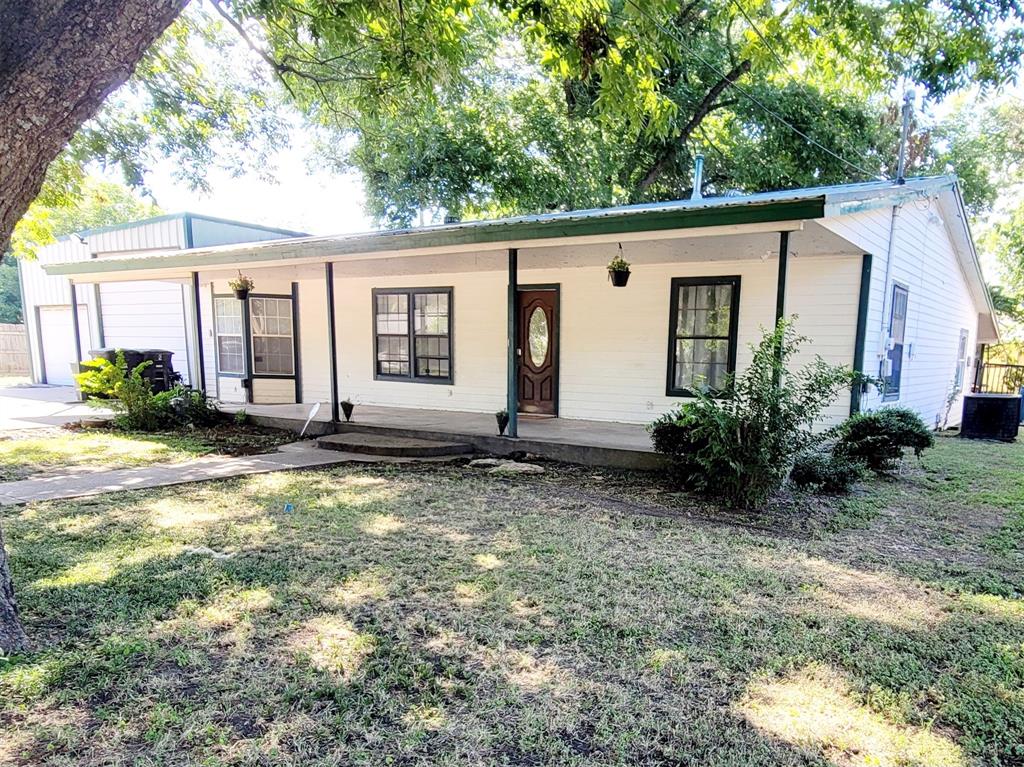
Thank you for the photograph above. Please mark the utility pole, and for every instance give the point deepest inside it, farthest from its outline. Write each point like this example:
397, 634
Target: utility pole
908, 108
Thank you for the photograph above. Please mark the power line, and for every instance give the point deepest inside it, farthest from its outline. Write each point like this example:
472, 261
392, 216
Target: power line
769, 111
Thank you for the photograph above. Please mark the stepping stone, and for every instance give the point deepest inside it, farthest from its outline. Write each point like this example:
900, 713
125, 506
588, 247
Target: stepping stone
509, 468
383, 444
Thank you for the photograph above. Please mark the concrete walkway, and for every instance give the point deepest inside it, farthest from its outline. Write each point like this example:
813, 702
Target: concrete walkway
298, 455
38, 406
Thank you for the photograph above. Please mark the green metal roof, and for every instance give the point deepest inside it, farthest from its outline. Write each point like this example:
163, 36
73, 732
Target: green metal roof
729, 210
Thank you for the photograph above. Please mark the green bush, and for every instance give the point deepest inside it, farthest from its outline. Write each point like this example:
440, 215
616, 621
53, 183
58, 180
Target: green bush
135, 406
674, 436
880, 438
821, 469
100, 378
741, 448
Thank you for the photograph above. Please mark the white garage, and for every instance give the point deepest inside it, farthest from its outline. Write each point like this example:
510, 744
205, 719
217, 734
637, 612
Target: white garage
58, 342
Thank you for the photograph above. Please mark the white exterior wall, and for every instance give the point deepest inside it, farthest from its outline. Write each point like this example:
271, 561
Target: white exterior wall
613, 342
162, 234
939, 306
41, 290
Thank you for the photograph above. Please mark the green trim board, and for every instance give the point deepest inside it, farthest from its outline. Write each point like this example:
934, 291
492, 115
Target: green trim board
860, 340
591, 223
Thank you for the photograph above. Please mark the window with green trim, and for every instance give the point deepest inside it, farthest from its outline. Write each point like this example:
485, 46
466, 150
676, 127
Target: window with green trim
413, 334
702, 334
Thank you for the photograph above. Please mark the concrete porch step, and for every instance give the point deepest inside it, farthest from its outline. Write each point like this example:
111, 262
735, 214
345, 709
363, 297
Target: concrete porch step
391, 445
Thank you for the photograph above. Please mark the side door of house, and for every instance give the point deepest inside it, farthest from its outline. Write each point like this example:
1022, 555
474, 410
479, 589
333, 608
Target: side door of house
537, 350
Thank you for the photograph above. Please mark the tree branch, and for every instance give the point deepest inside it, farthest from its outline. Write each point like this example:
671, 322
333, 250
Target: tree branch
706, 106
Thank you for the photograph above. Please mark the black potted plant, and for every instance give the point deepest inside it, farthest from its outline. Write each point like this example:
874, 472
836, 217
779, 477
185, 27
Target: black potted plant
347, 407
241, 286
618, 270
502, 418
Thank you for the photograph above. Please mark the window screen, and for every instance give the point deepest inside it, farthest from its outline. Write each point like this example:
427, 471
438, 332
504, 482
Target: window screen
228, 328
273, 348
702, 352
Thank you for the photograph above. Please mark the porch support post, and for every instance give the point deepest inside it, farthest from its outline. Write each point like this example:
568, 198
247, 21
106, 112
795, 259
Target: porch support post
247, 345
860, 340
780, 296
331, 343
74, 324
197, 312
513, 322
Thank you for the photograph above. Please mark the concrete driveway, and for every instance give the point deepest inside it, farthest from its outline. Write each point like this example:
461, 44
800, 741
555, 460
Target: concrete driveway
38, 406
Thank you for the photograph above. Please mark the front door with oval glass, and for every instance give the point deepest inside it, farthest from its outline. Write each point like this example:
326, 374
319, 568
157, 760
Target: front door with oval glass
538, 351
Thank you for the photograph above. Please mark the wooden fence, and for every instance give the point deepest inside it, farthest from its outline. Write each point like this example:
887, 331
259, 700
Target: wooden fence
13, 350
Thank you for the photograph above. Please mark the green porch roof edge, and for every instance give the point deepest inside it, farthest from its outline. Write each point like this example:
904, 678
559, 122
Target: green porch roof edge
625, 222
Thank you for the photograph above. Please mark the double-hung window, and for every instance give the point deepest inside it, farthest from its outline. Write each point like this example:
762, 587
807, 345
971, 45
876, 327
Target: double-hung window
273, 346
413, 334
892, 366
702, 334
227, 316
961, 359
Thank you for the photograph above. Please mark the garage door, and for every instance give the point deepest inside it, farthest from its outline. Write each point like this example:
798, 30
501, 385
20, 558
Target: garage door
58, 335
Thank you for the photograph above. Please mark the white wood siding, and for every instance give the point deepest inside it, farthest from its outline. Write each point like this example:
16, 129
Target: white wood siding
938, 307
614, 341
146, 315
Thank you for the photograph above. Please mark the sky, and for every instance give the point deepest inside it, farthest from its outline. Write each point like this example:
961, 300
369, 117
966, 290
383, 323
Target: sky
316, 202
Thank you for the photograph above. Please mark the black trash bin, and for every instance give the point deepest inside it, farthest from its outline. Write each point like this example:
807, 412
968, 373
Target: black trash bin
161, 373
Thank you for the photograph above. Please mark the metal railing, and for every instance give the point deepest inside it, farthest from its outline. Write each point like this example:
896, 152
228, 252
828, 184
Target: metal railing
997, 378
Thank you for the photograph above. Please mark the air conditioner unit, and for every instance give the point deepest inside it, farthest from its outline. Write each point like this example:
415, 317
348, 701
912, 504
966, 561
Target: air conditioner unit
991, 416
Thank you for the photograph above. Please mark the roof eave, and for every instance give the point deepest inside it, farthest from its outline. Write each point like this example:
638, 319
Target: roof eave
493, 235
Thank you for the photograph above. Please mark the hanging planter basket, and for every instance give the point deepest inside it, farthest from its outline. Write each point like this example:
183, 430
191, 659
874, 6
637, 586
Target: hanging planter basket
619, 277
502, 418
347, 407
241, 286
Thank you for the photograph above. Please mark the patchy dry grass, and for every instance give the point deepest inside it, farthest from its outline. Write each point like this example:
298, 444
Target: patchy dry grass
433, 615
30, 453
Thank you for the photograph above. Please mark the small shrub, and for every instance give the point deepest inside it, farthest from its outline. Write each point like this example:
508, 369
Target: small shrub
741, 448
880, 438
241, 418
674, 435
823, 470
100, 378
135, 406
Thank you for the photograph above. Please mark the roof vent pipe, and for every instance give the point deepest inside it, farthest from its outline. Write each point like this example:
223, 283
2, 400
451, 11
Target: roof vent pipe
698, 177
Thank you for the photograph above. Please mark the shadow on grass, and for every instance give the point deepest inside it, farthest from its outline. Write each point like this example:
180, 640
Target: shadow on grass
440, 615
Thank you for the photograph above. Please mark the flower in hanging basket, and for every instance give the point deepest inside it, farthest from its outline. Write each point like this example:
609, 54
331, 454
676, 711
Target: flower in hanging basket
241, 285
618, 270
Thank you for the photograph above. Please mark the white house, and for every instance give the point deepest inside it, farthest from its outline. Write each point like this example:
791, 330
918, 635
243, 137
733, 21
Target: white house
135, 314
474, 317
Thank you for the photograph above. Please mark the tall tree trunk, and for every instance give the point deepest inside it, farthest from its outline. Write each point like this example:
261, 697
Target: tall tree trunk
12, 636
59, 59
58, 62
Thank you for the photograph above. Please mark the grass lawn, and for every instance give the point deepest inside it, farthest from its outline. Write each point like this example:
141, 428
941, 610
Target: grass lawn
434, 615
53, 451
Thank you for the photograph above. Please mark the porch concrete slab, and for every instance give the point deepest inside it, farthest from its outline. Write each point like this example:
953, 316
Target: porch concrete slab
596, 443
299, 455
